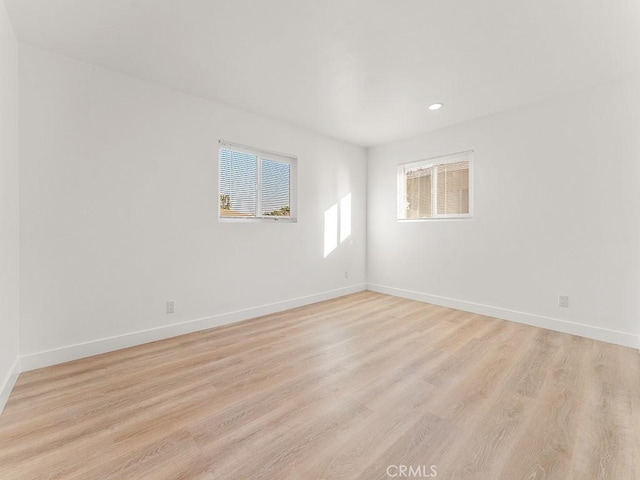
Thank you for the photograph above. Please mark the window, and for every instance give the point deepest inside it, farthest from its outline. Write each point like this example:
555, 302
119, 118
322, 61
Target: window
255, 184
435, 188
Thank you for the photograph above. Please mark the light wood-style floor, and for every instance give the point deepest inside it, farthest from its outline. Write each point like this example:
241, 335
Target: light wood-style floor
352, 388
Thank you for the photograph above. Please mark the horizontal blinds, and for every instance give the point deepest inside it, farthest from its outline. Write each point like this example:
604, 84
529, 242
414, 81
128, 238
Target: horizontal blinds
453, 188
275, 194
437, 187
418, 186
238, 180
253, 186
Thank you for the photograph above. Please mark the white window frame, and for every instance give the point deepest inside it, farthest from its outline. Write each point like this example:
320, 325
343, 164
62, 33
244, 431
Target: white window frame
431, 163
261, 154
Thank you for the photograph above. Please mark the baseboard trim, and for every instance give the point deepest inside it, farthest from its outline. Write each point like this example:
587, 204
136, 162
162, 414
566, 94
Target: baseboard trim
579, 329
8, 383
95, 347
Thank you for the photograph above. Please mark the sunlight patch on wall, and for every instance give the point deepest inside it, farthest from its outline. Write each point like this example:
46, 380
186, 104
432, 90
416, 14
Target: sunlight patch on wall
337, 224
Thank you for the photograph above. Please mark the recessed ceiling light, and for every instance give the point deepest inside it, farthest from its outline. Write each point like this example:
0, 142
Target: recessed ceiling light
435, 106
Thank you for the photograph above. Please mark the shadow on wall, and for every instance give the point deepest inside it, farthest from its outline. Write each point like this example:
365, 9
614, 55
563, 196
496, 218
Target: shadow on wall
337, 224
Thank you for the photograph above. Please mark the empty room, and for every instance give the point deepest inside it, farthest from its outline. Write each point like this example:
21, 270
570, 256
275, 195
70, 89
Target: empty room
304, 240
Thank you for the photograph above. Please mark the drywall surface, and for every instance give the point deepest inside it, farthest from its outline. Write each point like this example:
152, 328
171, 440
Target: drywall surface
556, 213
119, 213
9, 236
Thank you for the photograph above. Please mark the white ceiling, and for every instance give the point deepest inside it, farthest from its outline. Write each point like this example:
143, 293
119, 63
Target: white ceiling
359, 70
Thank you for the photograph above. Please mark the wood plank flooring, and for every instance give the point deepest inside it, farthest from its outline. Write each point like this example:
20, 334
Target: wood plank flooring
363, 387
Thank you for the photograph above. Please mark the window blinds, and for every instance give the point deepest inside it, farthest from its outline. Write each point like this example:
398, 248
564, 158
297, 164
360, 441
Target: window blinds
435, 188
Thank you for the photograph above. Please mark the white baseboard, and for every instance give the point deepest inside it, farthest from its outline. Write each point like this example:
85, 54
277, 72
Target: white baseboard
104, 345
579, 329
8, 383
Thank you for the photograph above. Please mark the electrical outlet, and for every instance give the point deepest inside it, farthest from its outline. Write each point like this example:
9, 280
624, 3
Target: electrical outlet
563, 301
346, 274
170, 307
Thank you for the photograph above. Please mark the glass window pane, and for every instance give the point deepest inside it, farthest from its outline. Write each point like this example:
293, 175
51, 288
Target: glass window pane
238, 181
419, 193
453, 188
275, 188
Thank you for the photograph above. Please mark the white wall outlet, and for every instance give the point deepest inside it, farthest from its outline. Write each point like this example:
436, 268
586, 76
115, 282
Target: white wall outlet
563, 301
170, 307
346, 274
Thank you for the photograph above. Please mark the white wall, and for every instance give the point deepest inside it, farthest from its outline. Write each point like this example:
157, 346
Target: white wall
118, 194
9, 240
556, 212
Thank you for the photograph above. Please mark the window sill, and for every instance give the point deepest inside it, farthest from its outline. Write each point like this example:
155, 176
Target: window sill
257, 220
435, 219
